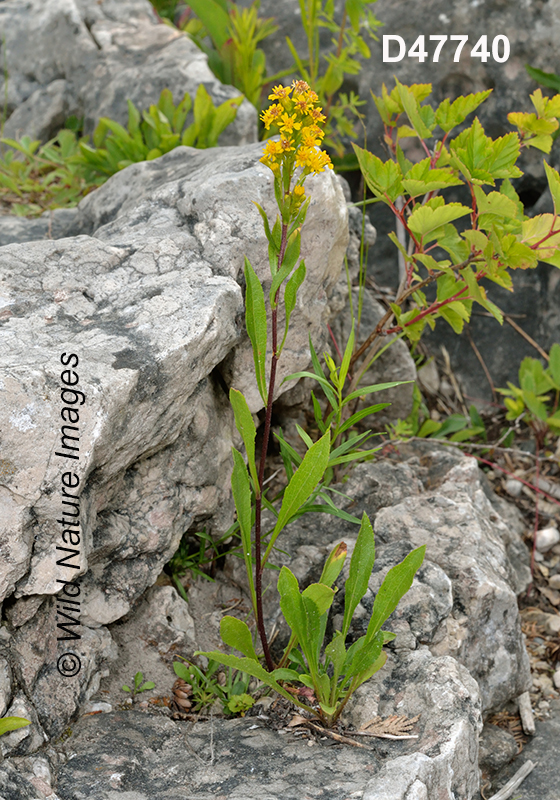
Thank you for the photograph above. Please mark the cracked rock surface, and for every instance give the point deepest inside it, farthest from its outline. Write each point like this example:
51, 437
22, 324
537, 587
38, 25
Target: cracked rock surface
87, 58
149, 296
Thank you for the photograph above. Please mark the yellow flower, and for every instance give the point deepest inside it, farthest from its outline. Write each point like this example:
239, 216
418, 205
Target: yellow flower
289, 124
318, 160
286, 145
312, 97
302, 156
302, 104
309, 137
299, 192
300, 87
271, 114
280, 92
316, 114
273, 149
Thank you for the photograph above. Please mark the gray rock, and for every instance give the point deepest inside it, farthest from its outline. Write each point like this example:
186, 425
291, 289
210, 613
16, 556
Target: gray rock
135, 750
542, 783
23, 740
34, 649
43, 114
5, 686
13, 786
497, 747
152, 304
87, 58
54, 224
463, 537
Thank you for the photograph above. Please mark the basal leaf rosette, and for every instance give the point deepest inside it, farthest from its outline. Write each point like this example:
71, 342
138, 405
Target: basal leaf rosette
295, 113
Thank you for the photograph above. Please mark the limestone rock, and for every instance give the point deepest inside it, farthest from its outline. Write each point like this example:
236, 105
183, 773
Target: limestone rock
462, 534
22, 740
5, 685
497, 747
287, 767
149, 299
87, 58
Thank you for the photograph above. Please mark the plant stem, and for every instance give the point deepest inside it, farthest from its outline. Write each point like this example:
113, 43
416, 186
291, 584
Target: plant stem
264, 449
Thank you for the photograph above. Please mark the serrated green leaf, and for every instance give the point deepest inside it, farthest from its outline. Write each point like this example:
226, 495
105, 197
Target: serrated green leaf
425, 219
449, 115
384, 179
411, 106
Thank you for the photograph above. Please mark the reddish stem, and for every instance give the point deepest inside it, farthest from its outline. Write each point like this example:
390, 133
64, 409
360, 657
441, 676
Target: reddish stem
264, 449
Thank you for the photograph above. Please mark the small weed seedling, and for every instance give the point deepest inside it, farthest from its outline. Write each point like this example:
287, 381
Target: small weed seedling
139, 685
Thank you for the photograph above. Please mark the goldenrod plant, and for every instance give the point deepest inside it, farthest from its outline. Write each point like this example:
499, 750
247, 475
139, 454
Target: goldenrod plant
334, 672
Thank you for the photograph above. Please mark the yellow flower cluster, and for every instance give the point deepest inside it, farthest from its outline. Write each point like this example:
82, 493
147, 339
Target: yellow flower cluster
297, 116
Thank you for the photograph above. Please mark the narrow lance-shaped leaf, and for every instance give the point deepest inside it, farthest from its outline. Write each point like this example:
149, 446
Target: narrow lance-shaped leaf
361, 566
290, 297
291, 255
396, 584
246, 427
253, 668
241, 490
306, 478
255, 318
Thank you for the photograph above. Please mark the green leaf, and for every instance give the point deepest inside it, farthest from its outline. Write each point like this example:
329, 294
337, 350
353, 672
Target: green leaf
396, 584
366, 655
548, 79
384, 179
306, 478
336, 651
241, 491
361, 566
235, 633
245, 425
377, 387
214, 19
12, 724
344, 367
288, 263
411, 106
333, 565
428, 217
421, 179
290, 297
449, 114
554, 185
253, 668
222, 117
255, 317
359, 415
291, 603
